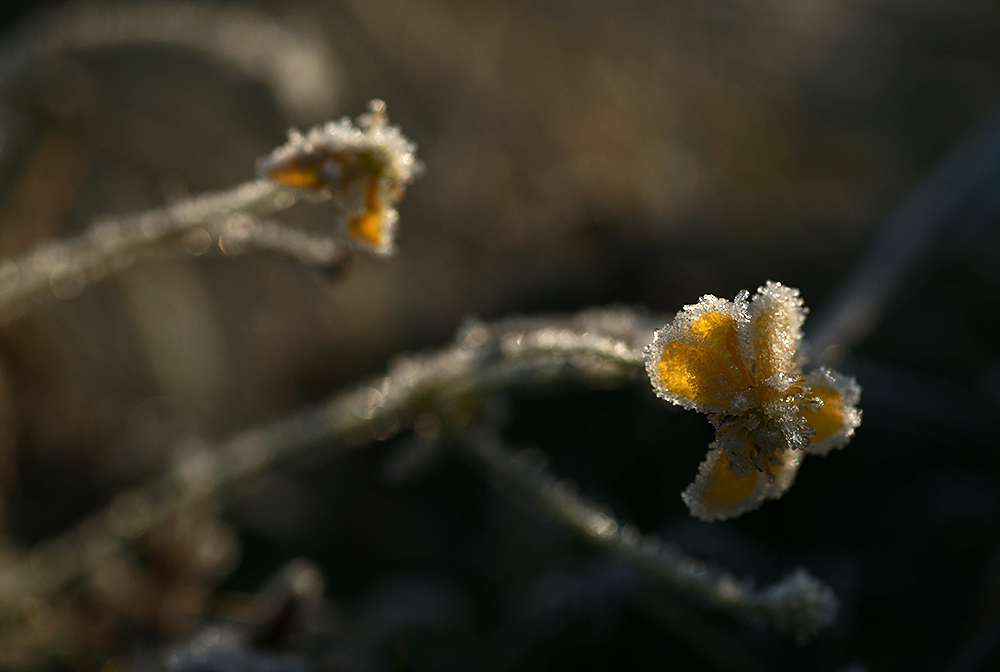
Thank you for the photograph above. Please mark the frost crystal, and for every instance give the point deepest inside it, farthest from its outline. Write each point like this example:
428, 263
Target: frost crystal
804, 604
366, 166
738, 361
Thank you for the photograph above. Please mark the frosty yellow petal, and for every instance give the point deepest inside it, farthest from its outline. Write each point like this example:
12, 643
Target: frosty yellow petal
725, 489
373, 227
774, 333
838, 416
719, 492
304, 175
696, 361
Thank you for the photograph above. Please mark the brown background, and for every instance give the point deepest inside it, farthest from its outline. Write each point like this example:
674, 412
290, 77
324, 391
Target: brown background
578, 154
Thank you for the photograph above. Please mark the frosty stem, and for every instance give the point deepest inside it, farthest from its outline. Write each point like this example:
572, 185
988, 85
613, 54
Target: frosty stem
799, 602
64, 268
601, 347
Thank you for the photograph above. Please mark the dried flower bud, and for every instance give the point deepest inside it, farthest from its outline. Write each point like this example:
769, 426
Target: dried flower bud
366, 167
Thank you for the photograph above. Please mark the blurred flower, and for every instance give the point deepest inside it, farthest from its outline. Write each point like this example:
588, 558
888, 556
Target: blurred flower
738, 361
366, 167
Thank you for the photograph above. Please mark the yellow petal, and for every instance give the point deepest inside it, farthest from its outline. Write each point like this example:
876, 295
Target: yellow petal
696, 361
774, 333
373, 227
719, 492
301, 175
838, 416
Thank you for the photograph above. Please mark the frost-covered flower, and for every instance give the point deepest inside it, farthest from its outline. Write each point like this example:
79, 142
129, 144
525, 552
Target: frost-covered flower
738, 361
367, 167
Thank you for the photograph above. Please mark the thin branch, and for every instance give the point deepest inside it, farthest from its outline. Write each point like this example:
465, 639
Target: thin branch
309, 249
600, 346
799, 602
64, 268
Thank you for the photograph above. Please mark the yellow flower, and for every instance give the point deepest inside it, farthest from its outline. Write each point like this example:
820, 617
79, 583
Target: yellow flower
738, 361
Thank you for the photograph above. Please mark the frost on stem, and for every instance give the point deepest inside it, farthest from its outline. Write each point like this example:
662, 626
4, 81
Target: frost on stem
514, 354
738, 361
366, 166
799, 603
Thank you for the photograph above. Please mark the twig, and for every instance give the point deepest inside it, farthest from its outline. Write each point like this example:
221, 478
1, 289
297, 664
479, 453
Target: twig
65, 267
309, 249
598, 346
799, 602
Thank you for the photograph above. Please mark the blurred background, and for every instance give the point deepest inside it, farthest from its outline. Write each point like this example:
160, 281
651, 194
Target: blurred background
578, 154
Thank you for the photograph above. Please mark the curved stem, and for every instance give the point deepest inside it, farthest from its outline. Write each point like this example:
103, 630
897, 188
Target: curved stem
799, 602
64, 268
597, 346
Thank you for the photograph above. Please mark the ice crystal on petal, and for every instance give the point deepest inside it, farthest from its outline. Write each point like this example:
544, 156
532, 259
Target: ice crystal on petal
774, 334
738, 361
837, 417
366, 167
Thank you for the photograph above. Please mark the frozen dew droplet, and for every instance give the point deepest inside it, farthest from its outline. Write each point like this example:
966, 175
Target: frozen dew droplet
373, 403
196, 467
107, 236
305, 579
473, 333
231, 245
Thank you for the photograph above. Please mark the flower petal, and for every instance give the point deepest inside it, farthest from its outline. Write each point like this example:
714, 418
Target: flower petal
774, 334
696, 361
719, 492
837, 418
372, 225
